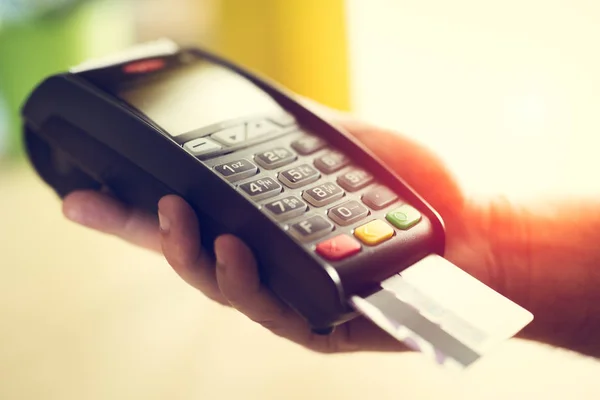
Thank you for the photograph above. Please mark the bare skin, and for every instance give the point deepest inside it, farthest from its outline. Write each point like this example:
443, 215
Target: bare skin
547, 261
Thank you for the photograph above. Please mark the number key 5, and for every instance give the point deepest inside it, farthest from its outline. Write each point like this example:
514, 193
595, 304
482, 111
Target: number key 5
299, 176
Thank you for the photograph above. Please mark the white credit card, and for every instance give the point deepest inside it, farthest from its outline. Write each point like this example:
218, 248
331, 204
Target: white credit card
438, 309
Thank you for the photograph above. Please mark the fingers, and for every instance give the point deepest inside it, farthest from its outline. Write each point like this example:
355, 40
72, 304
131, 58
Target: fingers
239, 281
181, 246
104, 213
416, 164
420, 167
240, 284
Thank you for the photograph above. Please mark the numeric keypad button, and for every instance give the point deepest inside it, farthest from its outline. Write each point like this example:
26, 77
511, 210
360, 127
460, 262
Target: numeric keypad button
308, 145
274, 158
299, 176
354, 180
348, 213
379, 198
324, 194
236, 170
262, 188
286, 208
331, 162
311, 228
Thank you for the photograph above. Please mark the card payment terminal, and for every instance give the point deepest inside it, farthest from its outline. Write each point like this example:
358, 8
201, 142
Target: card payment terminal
334, 231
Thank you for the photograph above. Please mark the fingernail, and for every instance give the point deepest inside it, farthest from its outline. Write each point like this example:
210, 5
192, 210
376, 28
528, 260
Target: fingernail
164, 223
219, 255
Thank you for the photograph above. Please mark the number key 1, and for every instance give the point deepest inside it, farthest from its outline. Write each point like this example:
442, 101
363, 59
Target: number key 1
236, 170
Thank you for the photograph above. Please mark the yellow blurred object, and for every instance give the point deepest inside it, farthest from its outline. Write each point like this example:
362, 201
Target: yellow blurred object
301, 44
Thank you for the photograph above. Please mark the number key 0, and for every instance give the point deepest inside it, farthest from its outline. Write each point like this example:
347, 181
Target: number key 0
348, 212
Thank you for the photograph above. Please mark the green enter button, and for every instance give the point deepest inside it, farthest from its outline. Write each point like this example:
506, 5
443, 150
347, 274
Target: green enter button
403, 217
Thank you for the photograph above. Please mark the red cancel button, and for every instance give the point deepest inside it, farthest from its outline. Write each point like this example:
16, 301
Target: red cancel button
338, 248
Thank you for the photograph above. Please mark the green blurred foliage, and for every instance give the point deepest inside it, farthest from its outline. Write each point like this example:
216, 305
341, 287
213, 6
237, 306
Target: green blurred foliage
30, 50
20, 10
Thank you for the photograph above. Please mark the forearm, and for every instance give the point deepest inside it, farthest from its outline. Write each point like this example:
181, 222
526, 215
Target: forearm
546, 257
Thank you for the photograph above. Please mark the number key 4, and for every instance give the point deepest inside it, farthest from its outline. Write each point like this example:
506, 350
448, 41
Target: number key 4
261, 188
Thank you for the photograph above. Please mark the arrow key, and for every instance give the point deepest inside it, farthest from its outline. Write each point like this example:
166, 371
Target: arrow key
231, 136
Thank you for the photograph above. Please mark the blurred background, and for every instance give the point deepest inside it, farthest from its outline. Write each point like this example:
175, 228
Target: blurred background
508, 93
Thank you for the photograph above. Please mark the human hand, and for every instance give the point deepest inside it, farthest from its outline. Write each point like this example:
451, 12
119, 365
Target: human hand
542, 256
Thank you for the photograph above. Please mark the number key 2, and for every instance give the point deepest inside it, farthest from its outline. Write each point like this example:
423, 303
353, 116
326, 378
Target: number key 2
286, 207
323, 194
261, 188
274, 158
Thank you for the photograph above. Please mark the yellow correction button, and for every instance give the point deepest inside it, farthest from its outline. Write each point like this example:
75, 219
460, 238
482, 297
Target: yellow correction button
374, 232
